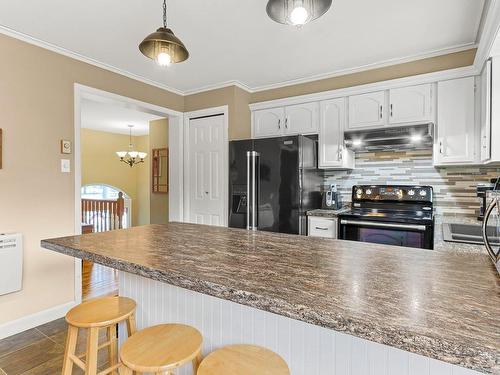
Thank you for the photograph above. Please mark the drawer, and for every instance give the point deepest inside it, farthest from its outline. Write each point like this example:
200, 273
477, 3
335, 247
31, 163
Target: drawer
322, 227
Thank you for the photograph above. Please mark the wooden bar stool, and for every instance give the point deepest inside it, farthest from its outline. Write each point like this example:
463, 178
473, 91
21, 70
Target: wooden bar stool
93, 315
243, 360
161, 349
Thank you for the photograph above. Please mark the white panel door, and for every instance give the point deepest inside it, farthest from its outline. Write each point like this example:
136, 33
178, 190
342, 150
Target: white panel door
410, 104
367, 110
301, 118
206, 171
456, 122
268, 122
331, 133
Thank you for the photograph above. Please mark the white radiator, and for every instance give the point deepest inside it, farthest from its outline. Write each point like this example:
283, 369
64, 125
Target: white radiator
11, 262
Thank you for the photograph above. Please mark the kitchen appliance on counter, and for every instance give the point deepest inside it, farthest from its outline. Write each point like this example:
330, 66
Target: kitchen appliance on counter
391, 215
272, 183
331, 199
492, 219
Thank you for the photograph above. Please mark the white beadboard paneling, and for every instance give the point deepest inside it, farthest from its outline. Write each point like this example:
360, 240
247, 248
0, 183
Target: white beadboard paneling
308, 349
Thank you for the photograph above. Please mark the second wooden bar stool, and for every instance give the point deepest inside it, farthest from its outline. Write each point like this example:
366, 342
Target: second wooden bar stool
243, 360
161, 349
93, 315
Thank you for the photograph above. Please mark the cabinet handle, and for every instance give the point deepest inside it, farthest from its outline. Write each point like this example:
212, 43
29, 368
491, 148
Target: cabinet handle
321, 228
279, 124
391, 109
340, 153
440, 147
286, 123
380, 111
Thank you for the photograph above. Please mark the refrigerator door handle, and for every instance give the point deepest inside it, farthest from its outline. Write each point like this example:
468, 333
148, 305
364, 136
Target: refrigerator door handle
249, 153
252, 159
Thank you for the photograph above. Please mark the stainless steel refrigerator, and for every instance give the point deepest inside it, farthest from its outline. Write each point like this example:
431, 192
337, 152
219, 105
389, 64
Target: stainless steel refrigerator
272, 183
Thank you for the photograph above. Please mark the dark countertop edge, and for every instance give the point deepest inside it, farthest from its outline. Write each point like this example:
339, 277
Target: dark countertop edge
407, 340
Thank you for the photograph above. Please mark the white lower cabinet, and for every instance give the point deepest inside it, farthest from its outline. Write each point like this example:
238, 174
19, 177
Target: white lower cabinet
495, 111
485, 128
456, 123
332, 154
322, 227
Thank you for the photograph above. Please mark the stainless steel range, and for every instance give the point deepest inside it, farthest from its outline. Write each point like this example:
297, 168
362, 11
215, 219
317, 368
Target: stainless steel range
390, 214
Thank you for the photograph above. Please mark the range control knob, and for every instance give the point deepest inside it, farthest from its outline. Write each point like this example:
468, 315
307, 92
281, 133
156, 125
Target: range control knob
368, 191
423, 193
359, 191
411, 193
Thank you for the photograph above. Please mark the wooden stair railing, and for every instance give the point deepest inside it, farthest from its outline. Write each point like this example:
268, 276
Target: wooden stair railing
103, 214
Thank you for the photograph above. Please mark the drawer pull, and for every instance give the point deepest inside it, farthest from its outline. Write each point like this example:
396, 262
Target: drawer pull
320, 228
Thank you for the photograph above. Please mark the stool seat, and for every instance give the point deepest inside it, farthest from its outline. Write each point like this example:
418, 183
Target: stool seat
161, 348
243, 360
101, 312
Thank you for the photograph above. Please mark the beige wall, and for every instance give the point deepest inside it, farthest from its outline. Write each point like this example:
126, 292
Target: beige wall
100, 165
36, 111
158, 138
143, 181
36, 199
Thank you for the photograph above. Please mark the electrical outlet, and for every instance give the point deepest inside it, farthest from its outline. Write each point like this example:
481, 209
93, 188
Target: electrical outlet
65, 166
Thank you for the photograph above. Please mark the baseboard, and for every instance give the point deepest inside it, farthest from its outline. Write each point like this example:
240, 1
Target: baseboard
34, 320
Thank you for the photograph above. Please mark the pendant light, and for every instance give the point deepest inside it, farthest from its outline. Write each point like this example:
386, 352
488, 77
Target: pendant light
131, 157
297, 12
163, 46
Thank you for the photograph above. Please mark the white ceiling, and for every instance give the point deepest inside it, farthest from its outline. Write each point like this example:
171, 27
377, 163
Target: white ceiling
234, 40
114, 119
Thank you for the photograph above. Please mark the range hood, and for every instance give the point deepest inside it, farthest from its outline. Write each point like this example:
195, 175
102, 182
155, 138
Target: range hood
412, 136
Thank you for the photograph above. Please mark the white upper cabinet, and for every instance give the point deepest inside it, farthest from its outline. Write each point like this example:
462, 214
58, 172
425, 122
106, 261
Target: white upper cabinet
367, 110
268, 122
410, 104
301, 118
456, 128
485, 153
331, 150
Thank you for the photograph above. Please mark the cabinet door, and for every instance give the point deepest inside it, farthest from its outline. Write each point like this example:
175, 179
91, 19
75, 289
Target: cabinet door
486, 112
410, 104
456, 122
331, 132
301, 119
367, 110
268, 122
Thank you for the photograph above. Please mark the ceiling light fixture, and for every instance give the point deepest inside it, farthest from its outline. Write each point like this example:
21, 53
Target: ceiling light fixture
297, 12
134, 157
163, 46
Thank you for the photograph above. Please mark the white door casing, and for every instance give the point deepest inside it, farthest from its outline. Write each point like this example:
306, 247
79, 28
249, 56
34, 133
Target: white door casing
206, 163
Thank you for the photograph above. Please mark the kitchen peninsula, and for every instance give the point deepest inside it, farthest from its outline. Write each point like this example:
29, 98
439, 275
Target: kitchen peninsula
327, 306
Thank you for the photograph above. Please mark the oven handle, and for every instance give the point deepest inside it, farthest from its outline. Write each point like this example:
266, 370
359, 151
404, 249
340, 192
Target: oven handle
383, 225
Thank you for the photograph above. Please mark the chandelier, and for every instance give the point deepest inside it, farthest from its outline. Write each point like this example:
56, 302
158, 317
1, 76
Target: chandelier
296, 12
163, 46
131, 157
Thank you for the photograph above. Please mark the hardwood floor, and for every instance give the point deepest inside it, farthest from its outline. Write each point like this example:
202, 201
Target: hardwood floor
39, 351
98, 281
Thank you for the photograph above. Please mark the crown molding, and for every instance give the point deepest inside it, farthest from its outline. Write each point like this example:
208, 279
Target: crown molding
74, 55
489, 32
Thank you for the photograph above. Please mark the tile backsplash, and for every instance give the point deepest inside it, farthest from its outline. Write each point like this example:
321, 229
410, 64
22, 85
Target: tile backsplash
454, 187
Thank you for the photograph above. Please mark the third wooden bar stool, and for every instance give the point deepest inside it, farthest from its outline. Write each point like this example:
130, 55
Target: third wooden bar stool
161, 349
243, 360
93, 315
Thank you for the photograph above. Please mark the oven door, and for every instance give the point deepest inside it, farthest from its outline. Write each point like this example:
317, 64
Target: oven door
397, 234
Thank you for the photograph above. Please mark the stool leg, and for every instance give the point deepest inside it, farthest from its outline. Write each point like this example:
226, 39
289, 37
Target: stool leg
196, 363
92, 344
125, 371
131, 328
70, 350
112, 348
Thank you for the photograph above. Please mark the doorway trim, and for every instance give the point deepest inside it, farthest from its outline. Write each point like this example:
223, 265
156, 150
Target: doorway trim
207, 112
82, 92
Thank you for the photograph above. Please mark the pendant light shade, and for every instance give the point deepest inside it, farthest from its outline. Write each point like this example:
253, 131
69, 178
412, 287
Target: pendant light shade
163, 41
163, 46
297, 12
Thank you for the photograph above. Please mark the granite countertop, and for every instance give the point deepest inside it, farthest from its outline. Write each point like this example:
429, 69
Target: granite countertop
327, 213
461, 247
437, 304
